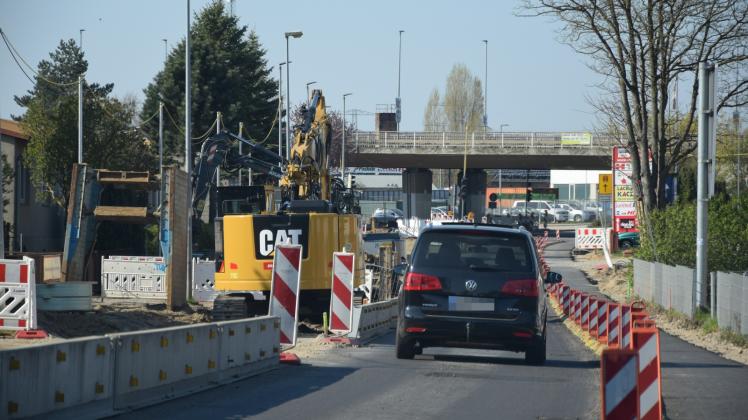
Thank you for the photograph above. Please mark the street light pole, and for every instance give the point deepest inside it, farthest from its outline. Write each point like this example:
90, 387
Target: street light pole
296, 34
307, 91
80, 38
398, 103
485, 95
166, 49
280, 110
342, 147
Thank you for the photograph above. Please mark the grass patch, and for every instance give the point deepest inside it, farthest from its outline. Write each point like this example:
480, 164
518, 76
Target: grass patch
704, 320
735, 338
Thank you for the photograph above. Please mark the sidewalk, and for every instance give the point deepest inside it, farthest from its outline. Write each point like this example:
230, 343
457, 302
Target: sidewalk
697, 384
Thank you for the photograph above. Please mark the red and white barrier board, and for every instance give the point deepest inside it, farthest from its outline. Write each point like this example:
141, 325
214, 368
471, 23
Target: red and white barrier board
584, 321
614, 325
589, 238
602, 321
619, 369
647, 343
592, 327
284, 290
626, 324
341, 294
17, 295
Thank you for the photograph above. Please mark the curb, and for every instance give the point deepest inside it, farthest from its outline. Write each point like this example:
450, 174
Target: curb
588, 341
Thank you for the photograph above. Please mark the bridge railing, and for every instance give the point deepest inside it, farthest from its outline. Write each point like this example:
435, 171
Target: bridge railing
452, 141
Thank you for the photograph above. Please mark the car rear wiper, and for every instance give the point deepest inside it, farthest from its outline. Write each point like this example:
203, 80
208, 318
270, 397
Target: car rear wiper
476, 267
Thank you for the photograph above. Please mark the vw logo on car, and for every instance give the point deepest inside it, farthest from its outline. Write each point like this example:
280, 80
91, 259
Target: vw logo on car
471, 285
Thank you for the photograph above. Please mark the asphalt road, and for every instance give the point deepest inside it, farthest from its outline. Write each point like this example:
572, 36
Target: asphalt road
370, 383
696, 383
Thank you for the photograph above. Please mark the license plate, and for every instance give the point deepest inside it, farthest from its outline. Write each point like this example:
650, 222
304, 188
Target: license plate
462, 303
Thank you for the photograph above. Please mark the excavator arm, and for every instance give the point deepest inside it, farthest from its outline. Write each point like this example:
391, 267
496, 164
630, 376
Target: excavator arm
219, 151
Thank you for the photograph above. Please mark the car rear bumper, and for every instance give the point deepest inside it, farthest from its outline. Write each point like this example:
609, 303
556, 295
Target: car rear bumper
468, 332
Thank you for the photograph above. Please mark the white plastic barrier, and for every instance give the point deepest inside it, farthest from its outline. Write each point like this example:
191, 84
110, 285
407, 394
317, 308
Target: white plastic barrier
74, 374
373, 319
133, 277
248, 346
589, 238
17, 294
203, 280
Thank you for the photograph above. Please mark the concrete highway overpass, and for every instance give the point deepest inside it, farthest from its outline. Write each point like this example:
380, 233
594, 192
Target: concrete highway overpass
490, 150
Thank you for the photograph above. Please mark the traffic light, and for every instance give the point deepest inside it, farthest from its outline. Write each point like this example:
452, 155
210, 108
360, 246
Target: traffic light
528, 195
464, 188
492, 200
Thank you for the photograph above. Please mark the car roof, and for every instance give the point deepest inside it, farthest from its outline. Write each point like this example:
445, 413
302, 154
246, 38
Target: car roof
446, 227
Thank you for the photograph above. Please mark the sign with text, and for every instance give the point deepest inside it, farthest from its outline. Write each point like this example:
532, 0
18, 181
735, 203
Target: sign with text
605, 184
624, 202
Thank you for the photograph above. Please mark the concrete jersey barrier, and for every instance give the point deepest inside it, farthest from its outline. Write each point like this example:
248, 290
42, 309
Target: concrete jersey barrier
100, 376
373, 319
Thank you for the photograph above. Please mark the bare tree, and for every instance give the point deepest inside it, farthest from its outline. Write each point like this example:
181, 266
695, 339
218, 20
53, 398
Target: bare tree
643, 47
463, 100
433, 116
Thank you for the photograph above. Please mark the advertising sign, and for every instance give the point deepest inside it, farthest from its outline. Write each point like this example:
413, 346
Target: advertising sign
624, 202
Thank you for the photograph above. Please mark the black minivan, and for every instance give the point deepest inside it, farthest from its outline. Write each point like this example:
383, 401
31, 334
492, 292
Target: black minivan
474, 286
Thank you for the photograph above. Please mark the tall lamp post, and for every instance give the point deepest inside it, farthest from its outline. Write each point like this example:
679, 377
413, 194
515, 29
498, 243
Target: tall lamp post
485, 87
501, 176
398, 110
288, 35
166, 49
280, 110
342, 147
307, 91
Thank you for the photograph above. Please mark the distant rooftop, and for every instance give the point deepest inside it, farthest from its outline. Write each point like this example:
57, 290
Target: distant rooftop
12, 129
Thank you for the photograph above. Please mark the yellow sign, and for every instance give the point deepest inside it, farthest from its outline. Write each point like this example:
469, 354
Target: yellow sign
624, 193
576, 138
605, 184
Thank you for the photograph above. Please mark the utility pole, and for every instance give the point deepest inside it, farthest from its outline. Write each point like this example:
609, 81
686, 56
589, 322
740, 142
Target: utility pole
280, 110
342, 147
218, 131
80, 119
166, 49
707, 117
398, 102
297, 34
241, 151
188, 145
80, 38
485, 95
161, 139
2, 205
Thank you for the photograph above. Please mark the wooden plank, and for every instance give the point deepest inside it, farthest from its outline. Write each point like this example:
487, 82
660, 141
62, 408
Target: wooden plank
127, 178
123, 214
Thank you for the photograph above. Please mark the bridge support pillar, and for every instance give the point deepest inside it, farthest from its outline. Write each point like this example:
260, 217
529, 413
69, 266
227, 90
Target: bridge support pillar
476, 199
417, 193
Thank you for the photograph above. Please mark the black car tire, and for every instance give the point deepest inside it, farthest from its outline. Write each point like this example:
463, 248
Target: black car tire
535, 355
577, 218
625, 244
404, 348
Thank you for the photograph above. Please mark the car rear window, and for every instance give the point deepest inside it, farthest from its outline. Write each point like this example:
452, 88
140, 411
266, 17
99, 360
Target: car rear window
474, 250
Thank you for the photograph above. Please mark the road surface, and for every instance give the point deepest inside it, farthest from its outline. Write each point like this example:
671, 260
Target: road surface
370, 383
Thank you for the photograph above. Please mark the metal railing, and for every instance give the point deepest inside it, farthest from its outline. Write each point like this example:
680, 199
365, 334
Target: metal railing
451, 141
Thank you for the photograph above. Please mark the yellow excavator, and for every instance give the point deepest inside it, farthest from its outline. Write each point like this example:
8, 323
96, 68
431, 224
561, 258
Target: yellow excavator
315, 210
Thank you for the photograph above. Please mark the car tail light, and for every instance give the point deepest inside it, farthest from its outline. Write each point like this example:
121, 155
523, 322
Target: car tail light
522, 334
528, 288
415, 329
417, 282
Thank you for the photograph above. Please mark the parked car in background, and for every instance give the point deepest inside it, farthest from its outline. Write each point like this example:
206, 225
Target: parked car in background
576, 213
439, 212
539, 207
628, 240
387, 216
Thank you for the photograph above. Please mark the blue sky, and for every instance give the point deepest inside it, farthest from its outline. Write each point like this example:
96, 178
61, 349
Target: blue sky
534, 82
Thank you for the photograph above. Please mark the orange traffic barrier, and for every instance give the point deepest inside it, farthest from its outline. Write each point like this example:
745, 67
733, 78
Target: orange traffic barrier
646, 342
618, 385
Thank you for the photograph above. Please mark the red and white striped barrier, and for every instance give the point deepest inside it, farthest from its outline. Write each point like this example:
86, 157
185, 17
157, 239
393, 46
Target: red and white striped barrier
614, 325
341, 293
584, 320
17, 295
602, 321
566, 299
577, 306
558, 233
284, 290
592, 328
646, 341
619, 369
626, 324
589, 238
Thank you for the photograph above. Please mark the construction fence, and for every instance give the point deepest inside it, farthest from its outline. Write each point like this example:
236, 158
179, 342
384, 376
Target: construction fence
675, 287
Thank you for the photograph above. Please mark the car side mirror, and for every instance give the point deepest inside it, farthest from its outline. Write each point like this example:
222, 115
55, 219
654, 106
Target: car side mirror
553, 278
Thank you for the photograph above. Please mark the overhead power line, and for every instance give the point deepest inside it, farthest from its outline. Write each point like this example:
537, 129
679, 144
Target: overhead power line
17, 56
